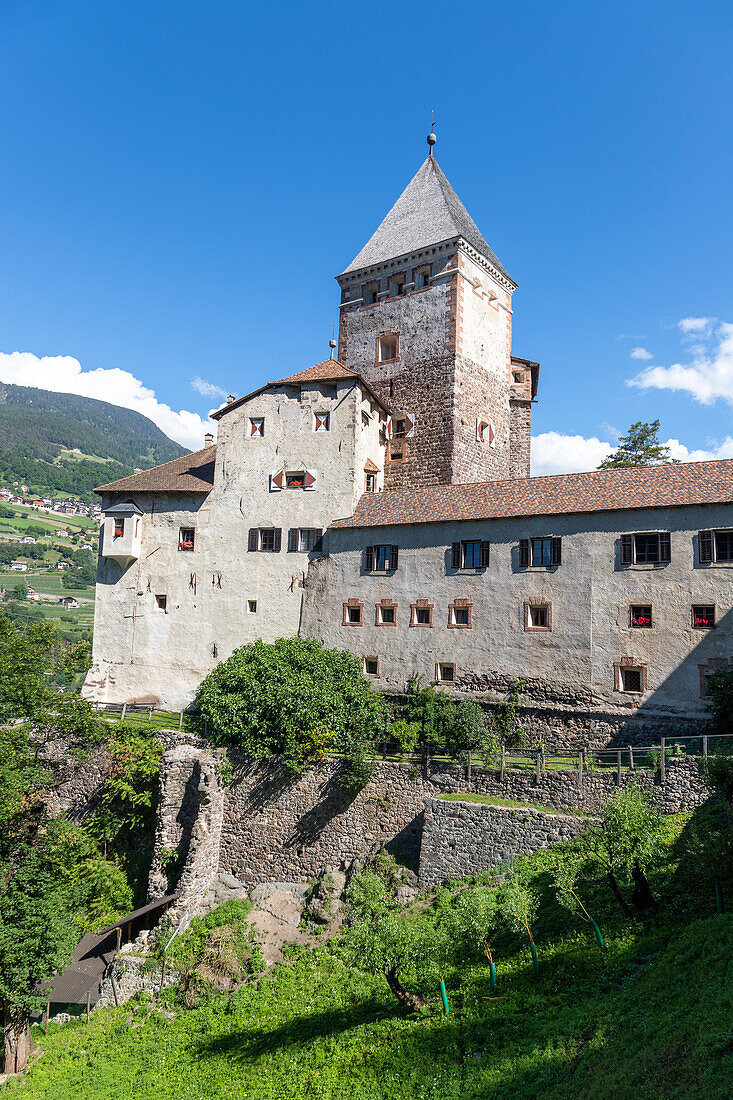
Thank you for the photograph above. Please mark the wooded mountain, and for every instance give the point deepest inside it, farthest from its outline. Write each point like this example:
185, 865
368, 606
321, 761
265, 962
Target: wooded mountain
38, 429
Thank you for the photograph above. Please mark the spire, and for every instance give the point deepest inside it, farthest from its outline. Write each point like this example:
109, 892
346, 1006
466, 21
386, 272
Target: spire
427, 212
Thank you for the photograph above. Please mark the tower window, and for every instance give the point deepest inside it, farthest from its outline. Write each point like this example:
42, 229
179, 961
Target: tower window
322, 422
397, 286
119, 528
186, 537
444, 673
421, 277
162, 602
371, 483
252, 607
387, 347
257, 427
369, 293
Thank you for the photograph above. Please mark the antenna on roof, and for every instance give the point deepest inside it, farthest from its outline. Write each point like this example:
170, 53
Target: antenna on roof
431, 136
332, 341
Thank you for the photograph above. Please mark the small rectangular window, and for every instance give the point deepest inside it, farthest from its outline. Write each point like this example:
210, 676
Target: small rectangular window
371, 483
399, 428
252, 607
632, 680
422, 615
266, 539
371, 666
322, 422
353, 613
397, 286
186, 538
723, 545
640, 615
703, 616
119, 528
396, 452
369, 293
421, 277
387, 348
257, 427
446, 674
162, 602
295, 480
460, 616
386, 616
381, 559
537, 616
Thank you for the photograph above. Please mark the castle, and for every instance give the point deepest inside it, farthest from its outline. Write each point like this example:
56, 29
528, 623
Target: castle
381, 502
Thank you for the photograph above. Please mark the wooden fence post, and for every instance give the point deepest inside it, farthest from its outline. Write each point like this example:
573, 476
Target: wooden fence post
539, 767
468, 768
501, 773
618, 767
631, 758
89, 997
180, 721
124, 711
662, 762
48, 1013
580, 767
704, 745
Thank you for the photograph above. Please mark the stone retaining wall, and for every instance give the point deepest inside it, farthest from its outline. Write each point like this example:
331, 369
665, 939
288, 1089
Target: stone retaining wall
465, 838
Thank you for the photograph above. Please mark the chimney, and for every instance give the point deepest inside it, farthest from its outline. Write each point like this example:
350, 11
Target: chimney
208, 440
231, 398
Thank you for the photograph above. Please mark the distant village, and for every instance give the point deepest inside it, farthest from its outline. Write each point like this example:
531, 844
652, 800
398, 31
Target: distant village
67, 507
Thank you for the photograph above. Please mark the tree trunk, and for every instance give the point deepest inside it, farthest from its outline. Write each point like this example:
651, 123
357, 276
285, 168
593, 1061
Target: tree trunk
410, 1001
18, 1044
642, 897
618, 895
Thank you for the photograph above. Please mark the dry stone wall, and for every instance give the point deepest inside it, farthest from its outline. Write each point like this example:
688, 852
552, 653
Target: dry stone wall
466, 838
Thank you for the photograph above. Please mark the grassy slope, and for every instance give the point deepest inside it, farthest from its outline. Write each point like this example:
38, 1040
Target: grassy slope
648, 1019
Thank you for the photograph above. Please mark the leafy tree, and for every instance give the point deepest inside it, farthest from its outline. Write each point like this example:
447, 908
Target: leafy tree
519, 906
705, 848
20, 592
289, 698
129, 788
566, 891
358, 766
26, 658
639, 447
623, 841
52, 890
504, 723
444, 722
383, 940
469, 922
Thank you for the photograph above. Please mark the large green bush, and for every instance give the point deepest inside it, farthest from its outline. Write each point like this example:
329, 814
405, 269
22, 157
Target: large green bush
291, 698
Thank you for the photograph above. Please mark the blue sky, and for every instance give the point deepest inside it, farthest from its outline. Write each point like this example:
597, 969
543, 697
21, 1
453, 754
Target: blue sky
181, 181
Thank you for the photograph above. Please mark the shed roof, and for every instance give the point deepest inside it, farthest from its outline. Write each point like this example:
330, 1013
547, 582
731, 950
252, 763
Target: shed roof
193, 473
672, 485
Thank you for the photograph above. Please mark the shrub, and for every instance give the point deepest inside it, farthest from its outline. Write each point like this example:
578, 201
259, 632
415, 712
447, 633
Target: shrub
443, 722
292, 698
720, 692
718, 772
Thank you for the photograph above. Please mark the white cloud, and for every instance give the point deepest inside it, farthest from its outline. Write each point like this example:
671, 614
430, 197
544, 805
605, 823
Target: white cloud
696, 324
207, 389
717, 450
64, 374
707, 377
640, 353
553, 453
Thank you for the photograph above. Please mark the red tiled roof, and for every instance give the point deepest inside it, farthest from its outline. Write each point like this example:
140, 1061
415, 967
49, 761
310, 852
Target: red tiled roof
370, 467
330, 370
668, 486
192, 473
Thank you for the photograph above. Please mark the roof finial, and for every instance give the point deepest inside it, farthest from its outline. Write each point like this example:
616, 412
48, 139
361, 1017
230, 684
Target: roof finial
431, 136
332, 342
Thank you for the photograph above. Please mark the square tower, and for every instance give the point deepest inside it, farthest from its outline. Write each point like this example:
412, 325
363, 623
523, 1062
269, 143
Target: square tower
426, 319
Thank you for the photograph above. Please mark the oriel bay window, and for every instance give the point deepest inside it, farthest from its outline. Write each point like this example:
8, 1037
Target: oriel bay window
266, 539
381, 559
649, 548
540, 552
472, 554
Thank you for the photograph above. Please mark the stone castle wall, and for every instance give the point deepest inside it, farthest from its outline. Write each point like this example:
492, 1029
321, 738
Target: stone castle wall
466, 838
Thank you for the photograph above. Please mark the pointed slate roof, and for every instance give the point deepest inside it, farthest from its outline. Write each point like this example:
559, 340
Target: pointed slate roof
427, 212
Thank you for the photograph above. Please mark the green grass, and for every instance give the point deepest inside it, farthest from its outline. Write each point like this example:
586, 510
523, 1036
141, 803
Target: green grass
648, 1018
511, 803
52, 520
48, 583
